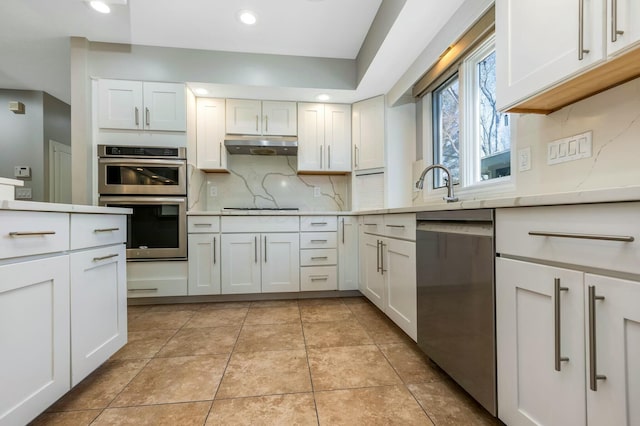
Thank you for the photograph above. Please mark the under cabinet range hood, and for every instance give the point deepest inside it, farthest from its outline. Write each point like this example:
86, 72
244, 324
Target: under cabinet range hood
261, 145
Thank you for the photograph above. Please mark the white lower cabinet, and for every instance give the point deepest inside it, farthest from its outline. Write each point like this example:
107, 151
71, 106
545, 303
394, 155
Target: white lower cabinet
204, 264
98, 307
35, 337
255, 263
348, 253
371, 279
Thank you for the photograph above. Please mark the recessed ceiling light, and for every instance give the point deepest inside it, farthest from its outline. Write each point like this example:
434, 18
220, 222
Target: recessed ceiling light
100, 6
200, 91
247, 17
323, 97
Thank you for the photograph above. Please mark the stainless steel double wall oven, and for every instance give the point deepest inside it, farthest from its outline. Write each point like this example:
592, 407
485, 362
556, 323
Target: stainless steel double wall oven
152, 181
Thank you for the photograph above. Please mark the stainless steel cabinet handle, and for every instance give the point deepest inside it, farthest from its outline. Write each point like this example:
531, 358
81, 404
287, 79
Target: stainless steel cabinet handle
214, 250
620, 238
321, 157
257, 119
581, 49
319, 257
382, 246
147, 116
208, 225
615, 32
318, 241
343, 230
395, 226
355, 156
266, 123
328, 156
106, 230
255, 248
98, 259
265, 249
132, 290
370, 224
556, 321
322, 278
378, 255
31, 234
319, 223
137, 115
220, 154
593, 366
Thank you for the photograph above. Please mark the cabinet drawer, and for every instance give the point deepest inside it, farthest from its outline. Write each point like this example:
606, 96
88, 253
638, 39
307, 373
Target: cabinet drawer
94, 230
318, 278
400, 226
318, 223
29, 233
373, 224
153, 279
313, 240
259, 223
318, 257
203, 224
576, 234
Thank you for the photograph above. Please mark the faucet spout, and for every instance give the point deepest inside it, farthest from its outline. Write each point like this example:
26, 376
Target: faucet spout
450, 198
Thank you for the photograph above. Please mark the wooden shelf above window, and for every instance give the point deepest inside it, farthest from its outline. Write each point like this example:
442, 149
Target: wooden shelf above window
605, 76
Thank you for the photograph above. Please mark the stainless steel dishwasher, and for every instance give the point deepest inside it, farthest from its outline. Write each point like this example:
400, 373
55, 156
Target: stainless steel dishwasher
456, 298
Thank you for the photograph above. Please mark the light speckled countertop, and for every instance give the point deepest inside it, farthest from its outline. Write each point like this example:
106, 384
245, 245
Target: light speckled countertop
608, 195
61, 208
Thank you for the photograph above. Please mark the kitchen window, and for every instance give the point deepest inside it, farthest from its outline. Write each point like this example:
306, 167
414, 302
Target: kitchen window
469, 136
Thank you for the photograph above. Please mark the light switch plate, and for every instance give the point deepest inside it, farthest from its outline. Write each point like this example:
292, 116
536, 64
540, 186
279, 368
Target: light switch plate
22, 172
524, 159
570, 149
213, 191
316, 191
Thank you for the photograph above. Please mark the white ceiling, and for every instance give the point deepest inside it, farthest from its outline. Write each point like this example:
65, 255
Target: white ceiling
34, 46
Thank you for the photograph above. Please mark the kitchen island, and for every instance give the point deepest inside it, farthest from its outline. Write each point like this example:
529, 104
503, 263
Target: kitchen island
62, 300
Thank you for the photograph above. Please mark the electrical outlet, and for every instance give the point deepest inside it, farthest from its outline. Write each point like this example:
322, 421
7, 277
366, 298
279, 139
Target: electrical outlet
570, 149
22, 172
23, 193
524, 159
316, 191
213, 191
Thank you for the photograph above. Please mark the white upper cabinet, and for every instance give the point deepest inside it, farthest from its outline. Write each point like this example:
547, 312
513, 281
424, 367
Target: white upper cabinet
211, 154
137, 105
540, 43
324, 138
252, 117
623, 25
368, 134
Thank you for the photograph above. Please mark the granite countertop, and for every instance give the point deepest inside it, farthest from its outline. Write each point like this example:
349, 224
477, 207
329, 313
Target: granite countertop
62, 208
13, 182
269, 213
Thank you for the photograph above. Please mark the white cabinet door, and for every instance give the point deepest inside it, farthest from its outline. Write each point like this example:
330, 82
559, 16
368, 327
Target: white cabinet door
311, 137
204, 264
280, 262
399, 268
617, 342
165, 106
120, 104
348, 253
34, 343
372, 279
240, 263
530, 389
627, 20
243, 117
279, 118
98, 308
337, 137
538, 44
211, 154
368, 133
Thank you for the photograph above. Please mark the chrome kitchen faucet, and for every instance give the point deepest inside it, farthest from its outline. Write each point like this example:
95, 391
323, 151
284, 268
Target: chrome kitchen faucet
450, 198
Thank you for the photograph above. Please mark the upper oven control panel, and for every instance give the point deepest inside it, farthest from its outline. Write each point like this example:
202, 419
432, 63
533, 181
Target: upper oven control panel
141, 152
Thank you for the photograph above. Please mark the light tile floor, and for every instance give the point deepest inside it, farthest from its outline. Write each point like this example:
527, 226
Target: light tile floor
306, 362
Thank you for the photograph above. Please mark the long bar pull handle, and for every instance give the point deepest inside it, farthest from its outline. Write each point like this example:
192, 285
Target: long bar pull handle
106, 230
214, 250
321, 157
581, 49
343, 230
98, 259
593, 366
355, 156
318, 241
382, 246
557, 324
395, 226
619, 238
255, 249
133, 290
257, 121
378, 255
319, 223
266, 123
319, 257
265, 249
328, 156
615, 32
320, 278
208, 225
137, 115
147, 116
220, 154
31, 234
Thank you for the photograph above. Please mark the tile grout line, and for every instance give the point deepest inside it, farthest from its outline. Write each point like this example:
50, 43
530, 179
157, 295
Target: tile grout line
306, 352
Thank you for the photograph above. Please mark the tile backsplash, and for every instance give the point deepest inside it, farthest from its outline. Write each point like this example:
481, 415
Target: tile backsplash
267, 182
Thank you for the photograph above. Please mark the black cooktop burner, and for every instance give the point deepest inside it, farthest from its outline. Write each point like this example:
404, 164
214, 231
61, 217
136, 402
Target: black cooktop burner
262, 208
